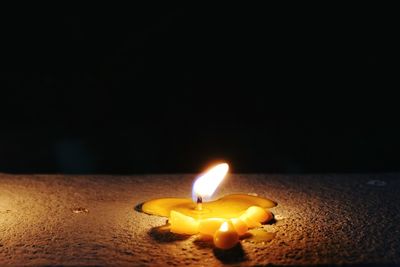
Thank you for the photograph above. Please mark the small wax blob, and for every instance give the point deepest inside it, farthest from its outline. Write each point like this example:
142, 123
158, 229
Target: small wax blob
240, 226
254, 216
226, 237
182, 224
259, 236
210, 226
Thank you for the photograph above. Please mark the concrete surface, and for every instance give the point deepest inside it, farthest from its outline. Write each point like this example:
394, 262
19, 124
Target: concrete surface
90, 220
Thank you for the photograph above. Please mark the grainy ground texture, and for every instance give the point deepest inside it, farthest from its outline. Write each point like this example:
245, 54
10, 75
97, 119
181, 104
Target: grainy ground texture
91, 220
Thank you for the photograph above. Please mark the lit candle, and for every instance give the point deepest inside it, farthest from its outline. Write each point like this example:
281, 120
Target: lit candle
224, 219
227, 207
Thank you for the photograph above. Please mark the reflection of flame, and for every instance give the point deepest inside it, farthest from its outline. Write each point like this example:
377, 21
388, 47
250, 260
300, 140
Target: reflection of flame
224, 227
207, 183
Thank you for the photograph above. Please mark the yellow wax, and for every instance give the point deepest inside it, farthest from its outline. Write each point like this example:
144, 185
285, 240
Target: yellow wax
182, 224
226, 237
210, 226
254, 216
240, 226
227, 207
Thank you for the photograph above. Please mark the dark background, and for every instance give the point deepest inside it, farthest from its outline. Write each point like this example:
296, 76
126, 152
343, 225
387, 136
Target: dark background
171, 89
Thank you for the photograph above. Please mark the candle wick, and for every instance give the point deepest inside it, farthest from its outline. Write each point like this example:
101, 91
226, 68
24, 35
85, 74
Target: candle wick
199, 203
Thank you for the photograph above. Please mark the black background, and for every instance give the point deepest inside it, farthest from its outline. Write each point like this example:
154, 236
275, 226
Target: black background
172, 88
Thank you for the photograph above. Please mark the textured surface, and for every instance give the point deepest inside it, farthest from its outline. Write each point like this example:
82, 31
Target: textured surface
329, 219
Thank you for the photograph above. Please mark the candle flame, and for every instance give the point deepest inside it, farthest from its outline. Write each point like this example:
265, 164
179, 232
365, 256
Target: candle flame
207, 183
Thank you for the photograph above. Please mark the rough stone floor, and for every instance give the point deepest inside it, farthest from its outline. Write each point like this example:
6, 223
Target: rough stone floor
91, 220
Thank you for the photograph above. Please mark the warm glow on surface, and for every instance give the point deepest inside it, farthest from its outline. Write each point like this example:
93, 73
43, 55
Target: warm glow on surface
207, 183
